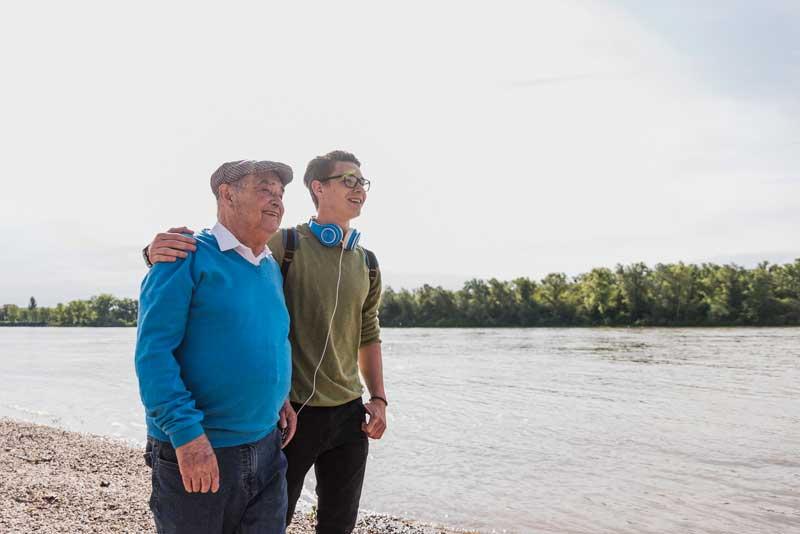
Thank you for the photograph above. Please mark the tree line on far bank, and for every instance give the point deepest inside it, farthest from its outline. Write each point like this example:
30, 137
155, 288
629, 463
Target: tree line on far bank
102, 310
675, 294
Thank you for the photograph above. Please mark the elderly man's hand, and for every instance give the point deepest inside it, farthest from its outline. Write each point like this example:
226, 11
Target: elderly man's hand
170, 245
198, 465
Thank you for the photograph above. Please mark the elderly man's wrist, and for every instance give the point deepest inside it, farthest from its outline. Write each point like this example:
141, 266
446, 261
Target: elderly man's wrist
185, 435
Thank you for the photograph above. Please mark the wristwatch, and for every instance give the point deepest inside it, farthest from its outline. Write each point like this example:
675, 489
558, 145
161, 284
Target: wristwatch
146, 257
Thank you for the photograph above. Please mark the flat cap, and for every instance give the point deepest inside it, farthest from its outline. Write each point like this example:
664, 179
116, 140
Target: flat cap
233, 171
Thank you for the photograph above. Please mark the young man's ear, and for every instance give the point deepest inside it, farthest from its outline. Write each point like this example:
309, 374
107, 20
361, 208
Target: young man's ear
316, 186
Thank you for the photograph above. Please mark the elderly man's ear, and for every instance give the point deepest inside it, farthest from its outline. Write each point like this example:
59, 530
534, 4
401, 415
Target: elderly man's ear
226, 193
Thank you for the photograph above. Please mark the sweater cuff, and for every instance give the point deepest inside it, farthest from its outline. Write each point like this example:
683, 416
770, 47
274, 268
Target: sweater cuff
185, 435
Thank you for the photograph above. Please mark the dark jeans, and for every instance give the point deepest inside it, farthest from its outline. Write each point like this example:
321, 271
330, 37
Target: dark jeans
331, 440
251, 497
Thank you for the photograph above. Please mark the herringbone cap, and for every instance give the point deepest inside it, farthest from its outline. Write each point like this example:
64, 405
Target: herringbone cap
233, 171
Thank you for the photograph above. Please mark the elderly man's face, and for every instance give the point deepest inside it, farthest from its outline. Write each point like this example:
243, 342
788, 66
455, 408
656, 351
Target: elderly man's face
258, 202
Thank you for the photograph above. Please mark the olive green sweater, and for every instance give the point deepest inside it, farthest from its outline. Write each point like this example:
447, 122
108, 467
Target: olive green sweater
310, 291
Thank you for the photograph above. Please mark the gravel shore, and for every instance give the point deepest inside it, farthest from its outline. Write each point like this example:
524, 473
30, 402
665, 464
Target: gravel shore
54, 481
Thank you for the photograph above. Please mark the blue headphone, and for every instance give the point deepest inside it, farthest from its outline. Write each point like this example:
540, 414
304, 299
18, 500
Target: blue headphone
331, 235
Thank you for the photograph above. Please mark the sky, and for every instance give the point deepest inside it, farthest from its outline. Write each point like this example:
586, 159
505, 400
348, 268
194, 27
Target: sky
502, 139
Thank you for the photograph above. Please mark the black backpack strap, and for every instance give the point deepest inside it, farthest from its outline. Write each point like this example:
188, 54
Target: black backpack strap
290, 243
372, 265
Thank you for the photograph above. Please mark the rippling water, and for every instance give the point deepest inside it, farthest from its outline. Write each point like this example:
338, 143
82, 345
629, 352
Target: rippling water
519, 430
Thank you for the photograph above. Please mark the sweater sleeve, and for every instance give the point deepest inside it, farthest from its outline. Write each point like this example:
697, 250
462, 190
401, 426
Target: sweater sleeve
164, 303
370, 326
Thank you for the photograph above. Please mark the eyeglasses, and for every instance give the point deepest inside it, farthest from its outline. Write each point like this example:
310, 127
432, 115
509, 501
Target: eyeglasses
350, 180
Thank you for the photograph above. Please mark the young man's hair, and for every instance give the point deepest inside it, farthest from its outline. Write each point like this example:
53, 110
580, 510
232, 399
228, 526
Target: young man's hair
321, 167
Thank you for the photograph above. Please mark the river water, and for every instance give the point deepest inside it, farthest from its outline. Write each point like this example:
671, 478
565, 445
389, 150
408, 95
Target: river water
518, 430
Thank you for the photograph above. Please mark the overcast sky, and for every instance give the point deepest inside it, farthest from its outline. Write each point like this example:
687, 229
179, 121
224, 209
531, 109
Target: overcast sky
503, 139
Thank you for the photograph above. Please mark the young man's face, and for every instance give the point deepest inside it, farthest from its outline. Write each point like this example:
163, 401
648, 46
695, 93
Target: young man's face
337, 198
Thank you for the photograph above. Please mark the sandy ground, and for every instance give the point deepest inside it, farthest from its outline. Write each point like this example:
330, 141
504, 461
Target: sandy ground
58, 481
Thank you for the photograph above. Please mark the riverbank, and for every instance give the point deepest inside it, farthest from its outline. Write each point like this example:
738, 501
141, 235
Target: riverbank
55, 481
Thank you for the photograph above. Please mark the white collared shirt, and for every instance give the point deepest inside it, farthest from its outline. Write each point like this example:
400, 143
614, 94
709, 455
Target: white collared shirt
227, 241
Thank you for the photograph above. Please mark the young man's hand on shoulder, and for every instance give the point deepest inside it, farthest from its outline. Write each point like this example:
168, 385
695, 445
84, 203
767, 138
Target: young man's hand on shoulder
171, 245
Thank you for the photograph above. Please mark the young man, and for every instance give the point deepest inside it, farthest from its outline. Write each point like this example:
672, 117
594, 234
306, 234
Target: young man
333, 295
213, 375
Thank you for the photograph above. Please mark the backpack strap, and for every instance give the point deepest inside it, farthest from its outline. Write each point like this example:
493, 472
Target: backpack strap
290, 244
372, 265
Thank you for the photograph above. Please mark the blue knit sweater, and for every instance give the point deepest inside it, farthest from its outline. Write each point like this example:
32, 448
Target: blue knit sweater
212, 347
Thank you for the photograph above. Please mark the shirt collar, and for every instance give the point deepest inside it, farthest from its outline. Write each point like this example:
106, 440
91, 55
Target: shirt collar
227, 241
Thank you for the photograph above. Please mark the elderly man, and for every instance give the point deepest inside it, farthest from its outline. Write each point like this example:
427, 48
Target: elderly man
214, 365
333, 289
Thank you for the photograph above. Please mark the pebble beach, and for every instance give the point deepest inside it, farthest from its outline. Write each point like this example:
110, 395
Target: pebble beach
55, 481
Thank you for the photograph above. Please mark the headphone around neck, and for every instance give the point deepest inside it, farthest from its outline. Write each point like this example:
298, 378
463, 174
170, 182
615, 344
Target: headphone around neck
331, 235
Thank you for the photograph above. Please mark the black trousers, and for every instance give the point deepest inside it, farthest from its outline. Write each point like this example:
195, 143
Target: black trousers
332, 441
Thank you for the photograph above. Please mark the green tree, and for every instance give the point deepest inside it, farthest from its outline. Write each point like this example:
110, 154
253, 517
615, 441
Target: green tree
723, 293
525, 304
57, 317
32, 313
11, 313
760, 305
78, 313
787, 290
397, 308
676, 296
554, 296
126, 311
44, 316
435, 307
473, 300
634, 285
102, 308
501, 303
599, 297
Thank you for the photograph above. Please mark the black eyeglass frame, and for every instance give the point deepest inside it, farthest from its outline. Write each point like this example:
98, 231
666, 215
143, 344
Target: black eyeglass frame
365, 184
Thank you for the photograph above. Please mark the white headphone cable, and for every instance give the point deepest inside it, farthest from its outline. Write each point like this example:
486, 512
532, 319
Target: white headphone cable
327, 337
